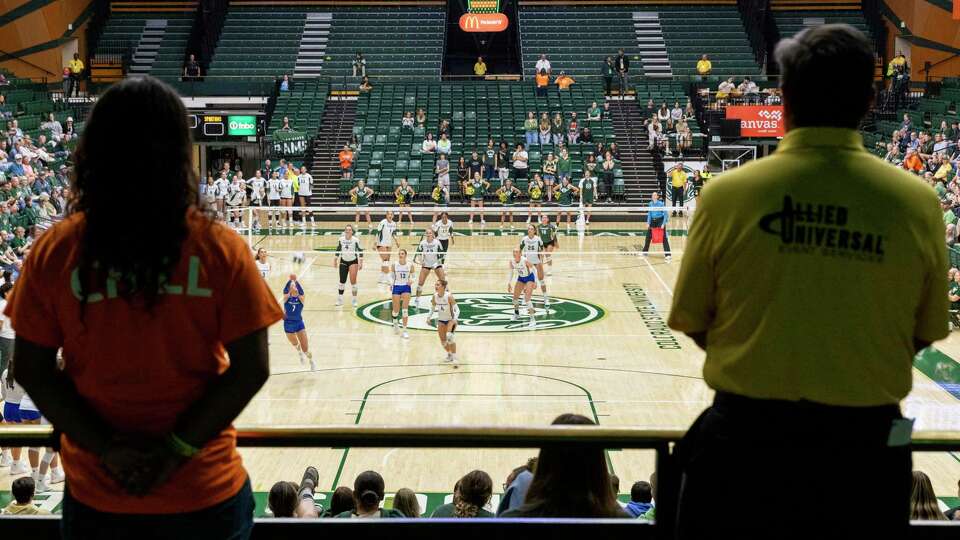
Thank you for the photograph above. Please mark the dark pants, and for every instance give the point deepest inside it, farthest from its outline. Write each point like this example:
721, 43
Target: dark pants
541, 91
489, 172
75, 84
608, 184
752, 468
608, 84
676, 196
655, 223
230, 520
623, 82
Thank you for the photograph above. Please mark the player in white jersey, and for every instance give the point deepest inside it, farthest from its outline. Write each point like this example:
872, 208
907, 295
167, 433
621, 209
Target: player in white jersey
386, 238
207, 193
286, 200
532, 247
349, 259
263, 264
220, 186
273, 198
444, 231
258, 198
401, 275
12, 394
236, 193
304, 192
524, 282
430, 254
447, 312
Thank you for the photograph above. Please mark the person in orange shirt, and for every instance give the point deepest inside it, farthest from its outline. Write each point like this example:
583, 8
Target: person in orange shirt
912, 162
346, 161
564, 81
146, 304
542, 80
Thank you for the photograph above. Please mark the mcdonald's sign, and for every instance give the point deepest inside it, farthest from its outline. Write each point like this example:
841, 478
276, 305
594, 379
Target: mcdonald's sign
483, 22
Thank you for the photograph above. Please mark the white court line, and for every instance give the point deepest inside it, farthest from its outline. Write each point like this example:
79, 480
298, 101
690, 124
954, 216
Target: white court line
659, 277
406, 399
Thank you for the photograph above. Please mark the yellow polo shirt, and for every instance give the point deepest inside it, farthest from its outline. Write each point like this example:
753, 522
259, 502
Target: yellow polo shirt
704, 66
76, 66
678, 177
480, 69
812, 271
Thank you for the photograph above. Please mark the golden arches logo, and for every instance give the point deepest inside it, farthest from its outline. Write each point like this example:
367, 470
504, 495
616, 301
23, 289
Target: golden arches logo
483, 22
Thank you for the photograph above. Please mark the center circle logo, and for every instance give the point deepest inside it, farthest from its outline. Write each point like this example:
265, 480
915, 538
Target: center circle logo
490, 312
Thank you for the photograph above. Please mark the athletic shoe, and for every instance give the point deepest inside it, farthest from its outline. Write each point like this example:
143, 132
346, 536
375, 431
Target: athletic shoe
449, 358
57, 476
313, 365
406, 335
354, 301
396, 329
309, 481
18, 468
303, 358
483, 221
667, 258
514, 318
5, 460
533, 323
339, 300
41, 486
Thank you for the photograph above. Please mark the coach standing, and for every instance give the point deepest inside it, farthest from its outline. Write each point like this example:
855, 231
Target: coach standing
811, 278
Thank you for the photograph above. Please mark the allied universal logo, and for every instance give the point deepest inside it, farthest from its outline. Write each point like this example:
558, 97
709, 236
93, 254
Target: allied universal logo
816, 228
491, 312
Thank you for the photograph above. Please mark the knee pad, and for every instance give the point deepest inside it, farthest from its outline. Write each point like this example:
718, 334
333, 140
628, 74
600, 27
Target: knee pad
450, 338
48, 456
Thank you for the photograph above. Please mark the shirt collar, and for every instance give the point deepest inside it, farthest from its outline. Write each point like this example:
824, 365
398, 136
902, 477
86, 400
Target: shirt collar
839, 138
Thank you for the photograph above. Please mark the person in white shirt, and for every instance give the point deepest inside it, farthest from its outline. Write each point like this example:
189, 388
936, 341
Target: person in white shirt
273, 198
386, 239
543, 64
520, 158
7, 334
303, 195
236, 193
430, 256
286, 200
676, 113
258, 198
447, 312
220, 186
429, 145
443, 145
263, 263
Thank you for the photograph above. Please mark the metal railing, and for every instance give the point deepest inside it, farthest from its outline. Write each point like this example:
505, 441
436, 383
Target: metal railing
659, 441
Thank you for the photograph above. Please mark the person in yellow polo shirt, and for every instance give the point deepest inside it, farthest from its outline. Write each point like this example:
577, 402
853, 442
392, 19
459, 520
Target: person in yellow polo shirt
678, 181
76, 73
704, 66
811, 278
480, 68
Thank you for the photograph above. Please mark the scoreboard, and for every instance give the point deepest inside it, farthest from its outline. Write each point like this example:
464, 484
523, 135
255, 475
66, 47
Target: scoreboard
224, 127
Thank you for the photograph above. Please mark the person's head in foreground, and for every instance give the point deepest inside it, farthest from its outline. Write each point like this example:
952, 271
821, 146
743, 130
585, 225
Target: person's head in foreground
835, 49
472, 493
406, 502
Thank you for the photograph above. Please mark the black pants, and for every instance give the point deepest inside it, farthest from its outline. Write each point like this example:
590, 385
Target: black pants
608, 84
608, 184
654, 223
676, 196
795, 468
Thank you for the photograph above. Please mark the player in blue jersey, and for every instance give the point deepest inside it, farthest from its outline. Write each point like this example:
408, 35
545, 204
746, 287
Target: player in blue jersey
293, 320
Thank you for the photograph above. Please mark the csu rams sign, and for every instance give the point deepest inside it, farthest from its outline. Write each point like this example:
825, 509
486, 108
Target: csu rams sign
483, 22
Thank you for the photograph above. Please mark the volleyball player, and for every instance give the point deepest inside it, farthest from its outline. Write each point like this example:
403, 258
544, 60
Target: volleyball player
360, 195
349, 259
286, 200
258, 197
531, 246
236, 193
386, 238
273, 199
304, 192
444, 232
507, 194
263, 265
535, 191
220, 186
548, 234
564, 193
404, 194
588, 193
476, 188
525, 283
401, 276
430, 255
293, 320
12, 394
447, 311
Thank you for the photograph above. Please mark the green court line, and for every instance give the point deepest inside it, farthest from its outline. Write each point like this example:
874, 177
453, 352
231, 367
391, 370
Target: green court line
369, 392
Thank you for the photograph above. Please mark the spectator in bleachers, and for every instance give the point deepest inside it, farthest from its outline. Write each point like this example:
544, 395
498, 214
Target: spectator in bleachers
663, 115
564, 81
704, 66
594, 112
443, 145
518, 481
520, 158
490, 161
365, 85
689, 112
23, 490
68, 127
405, 501
442, 169
421, 118
906, 124
676, 114
570, 482
480, 68
748, 87
359, 65
341, 500
367, 494
556, 129
470, 494
608, 71
429, 145
684, 136
286, 125
355, 145
543, 65
912, 162
530, 129
53, 126
191, 71
541, 80
444, 127
463, 175
726, 89
284, 83
586, 136
76, 74
544, 129
641, 496
345, 157
923, 502
573, 129
475, 165
407, 121
503, 161
282, 499
5, 110
608, 166
622, 63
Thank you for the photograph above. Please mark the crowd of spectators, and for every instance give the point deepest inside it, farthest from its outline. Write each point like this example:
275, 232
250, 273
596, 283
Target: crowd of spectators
664, 122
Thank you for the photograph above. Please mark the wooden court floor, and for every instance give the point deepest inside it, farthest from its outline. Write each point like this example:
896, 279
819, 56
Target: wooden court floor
601, 349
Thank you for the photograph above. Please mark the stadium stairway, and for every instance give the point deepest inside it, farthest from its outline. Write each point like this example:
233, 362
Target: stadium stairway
336, 127
637, 163
653, 49
146, 51
313, 45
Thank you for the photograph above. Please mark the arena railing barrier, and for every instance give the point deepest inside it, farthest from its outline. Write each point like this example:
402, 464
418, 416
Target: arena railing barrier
660, 441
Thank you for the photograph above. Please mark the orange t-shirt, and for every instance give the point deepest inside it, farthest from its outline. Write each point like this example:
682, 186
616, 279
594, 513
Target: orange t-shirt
564, 82
543, 80
913, 163
139, 371
346, 159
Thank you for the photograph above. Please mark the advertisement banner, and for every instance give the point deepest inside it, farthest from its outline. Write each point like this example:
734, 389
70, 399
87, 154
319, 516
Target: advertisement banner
483, 22
758, 120
289, 144
242, 125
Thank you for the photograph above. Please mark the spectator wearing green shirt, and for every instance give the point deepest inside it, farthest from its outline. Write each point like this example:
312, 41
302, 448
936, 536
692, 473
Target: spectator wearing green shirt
608, 70
564, 166
530, 129
470, 494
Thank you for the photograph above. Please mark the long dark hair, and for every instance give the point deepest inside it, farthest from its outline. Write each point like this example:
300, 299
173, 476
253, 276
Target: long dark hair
368, 490
342, 501
571, 481
471, 494
140, 244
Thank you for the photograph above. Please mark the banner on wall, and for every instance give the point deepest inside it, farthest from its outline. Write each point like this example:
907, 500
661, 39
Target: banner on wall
758, 120
289, 144
483, 22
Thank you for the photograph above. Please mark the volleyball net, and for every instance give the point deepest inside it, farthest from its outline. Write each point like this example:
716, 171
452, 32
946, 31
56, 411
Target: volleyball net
477, 234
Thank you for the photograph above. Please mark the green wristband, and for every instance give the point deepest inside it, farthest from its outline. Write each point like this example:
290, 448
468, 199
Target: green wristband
180, 447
